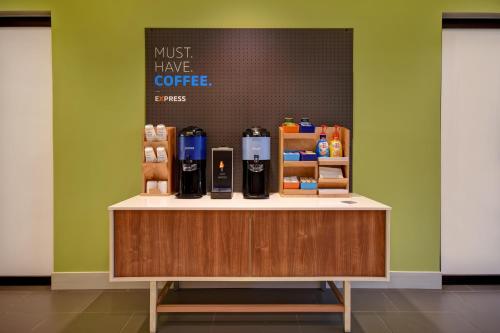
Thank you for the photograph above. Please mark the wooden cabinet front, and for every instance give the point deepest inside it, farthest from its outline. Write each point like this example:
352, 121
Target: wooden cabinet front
313, 243
318, 243
181, 243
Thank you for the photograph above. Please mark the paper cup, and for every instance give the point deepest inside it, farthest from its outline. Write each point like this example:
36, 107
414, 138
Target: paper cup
151, 186
161, 154
162, 186
161, 132
149, 131
149, 154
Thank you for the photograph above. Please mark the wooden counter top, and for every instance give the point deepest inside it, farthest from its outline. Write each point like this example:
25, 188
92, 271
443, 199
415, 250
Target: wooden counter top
275, 202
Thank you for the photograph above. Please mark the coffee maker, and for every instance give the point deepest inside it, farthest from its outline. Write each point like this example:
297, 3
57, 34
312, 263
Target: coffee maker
256, 148
191, 164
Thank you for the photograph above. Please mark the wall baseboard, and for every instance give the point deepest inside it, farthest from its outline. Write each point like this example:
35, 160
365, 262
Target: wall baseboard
100, 280
90, 280
471, 279
24, 280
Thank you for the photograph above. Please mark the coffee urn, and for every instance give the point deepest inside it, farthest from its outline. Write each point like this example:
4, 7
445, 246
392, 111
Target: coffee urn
256, 149
191, 164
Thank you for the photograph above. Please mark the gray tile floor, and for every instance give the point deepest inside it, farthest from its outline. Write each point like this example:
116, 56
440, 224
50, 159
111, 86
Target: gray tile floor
453, 309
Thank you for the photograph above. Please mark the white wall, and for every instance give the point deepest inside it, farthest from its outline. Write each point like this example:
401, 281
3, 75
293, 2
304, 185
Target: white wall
470, 142
26, 179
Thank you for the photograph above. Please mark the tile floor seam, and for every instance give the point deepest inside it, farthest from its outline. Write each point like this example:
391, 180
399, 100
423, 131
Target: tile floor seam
383, 322
429, 311
452, 313
30, 293
368, 311
414, 312
39, 323
300, 324
212, 323
25, 295
44, 313
390, 300
90, 302
461, 300
469, 322
105, 312
126, 323
482, 291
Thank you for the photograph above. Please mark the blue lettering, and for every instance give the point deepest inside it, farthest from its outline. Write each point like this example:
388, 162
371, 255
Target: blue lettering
168, 81
178, 80
203, 80
194, 81
181, 80
158, 80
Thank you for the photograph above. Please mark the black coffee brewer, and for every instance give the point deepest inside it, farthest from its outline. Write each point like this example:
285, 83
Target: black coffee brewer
256, 149
191, 164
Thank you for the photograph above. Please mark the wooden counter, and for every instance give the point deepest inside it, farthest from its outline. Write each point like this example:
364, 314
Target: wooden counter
277, 239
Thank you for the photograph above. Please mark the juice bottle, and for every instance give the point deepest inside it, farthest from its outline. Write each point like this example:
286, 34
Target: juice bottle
336, 144
322, 149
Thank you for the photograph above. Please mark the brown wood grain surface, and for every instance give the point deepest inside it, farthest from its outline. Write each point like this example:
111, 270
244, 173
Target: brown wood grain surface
249, 308
318, 243
249, 243
181, 243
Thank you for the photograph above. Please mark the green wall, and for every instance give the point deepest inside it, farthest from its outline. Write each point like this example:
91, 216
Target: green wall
98, 66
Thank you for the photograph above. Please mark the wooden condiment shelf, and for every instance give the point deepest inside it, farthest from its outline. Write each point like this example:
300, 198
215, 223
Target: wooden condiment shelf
160, 170
301, 164
327, 161
333, 182
307, 141
299, 192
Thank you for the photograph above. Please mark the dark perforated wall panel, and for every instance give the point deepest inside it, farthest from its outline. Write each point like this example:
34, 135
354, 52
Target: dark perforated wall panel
257, 77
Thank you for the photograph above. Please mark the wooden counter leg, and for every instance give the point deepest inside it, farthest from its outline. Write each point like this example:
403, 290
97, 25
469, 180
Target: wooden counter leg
347, 306
153, 298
